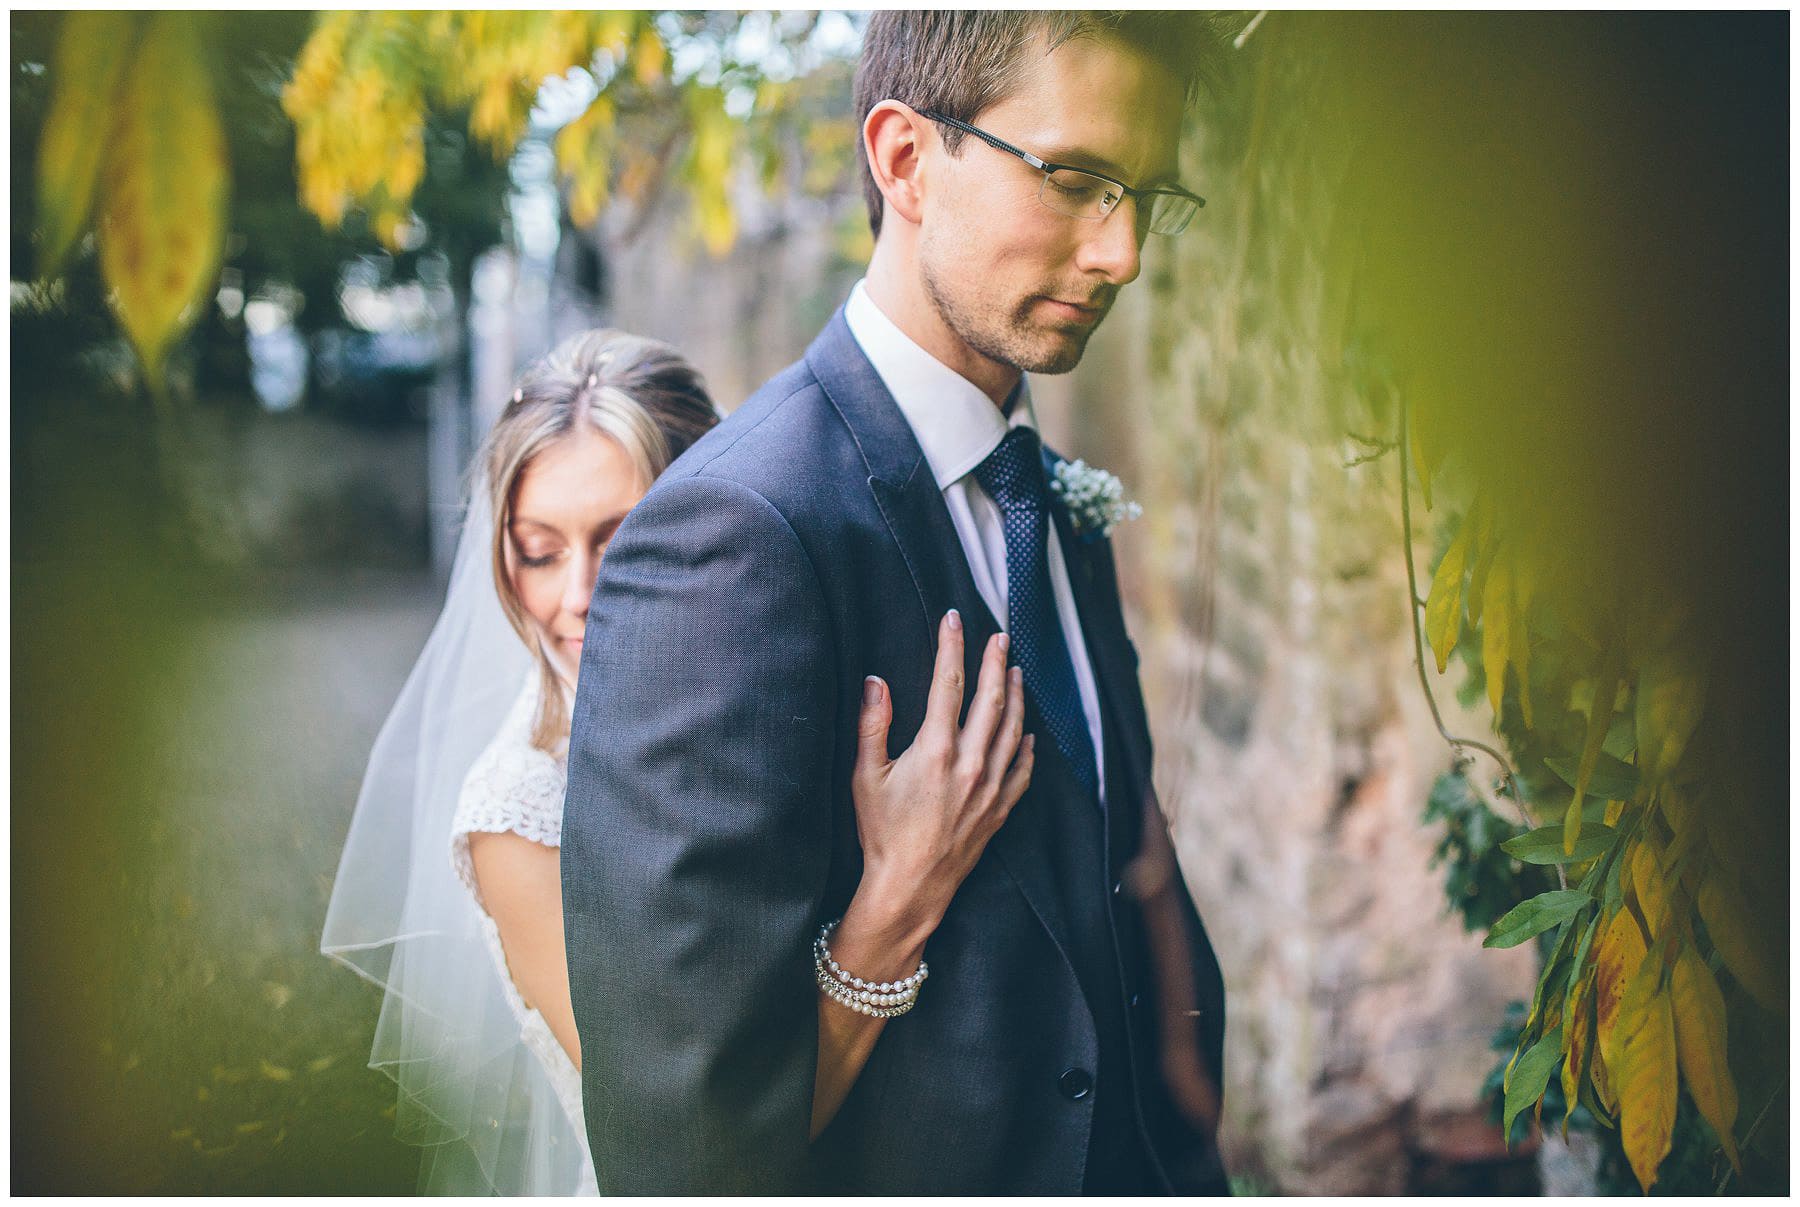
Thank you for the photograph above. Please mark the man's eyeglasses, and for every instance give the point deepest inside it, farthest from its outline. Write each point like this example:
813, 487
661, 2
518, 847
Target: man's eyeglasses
1080, 193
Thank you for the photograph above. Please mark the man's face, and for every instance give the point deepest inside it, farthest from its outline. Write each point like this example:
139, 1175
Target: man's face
1017, 282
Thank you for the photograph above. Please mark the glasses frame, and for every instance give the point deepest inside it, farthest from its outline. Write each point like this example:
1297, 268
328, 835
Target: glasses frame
1046, 167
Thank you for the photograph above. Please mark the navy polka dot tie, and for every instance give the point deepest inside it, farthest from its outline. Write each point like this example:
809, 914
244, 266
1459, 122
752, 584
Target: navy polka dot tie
1013, 476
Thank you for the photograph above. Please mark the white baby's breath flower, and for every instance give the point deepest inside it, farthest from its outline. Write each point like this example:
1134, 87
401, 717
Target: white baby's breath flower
1095, 498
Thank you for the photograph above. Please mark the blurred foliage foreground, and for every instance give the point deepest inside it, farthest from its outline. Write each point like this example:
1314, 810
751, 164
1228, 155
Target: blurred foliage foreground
135, 150
1550, 264
1552, 260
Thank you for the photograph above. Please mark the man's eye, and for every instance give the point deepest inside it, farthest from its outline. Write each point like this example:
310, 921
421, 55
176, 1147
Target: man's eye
1075, 187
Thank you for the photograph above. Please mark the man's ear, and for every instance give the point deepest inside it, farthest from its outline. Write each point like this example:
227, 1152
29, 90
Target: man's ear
893, 141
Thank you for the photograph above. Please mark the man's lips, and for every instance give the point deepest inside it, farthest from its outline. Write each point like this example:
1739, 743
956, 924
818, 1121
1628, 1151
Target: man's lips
1079, 311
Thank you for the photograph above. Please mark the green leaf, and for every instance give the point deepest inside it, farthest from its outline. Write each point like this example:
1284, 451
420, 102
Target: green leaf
1612, 893
1553, 984
1531, 918
1611, 779
1545, 845
1530, 1075
1587, 941
1593, 812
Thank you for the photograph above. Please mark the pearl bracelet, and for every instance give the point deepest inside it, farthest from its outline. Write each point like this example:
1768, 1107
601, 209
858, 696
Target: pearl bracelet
878, 999
829, 986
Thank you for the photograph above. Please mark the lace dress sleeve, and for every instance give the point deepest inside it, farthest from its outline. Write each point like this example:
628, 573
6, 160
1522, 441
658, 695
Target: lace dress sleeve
513, 787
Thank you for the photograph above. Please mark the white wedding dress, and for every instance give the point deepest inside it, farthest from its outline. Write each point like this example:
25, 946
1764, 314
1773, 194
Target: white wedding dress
515, 787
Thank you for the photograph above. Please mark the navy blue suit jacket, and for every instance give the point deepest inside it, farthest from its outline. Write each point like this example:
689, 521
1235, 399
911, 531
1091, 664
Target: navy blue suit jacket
709, 830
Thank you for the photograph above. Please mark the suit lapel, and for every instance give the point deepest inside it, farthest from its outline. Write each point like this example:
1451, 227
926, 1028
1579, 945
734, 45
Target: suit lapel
1095, 587
913, 507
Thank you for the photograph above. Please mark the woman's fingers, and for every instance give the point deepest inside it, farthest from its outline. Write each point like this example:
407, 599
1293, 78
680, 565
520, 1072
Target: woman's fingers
1011, 728
872, 728
944, 703
990, 702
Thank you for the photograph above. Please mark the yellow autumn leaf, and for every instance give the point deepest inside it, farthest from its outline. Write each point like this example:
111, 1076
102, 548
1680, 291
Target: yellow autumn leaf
1496, 636
1727, 919
1601, 1076
1478, 579
1647, 882
162, 216
1617, 957
648, 58
771, 96
583, 156
92, 51
1577, 1027
1415, 437
1524, 582
1671, 693
1646, 1073
1443, 606
710, 170
1700, 1044
718, 224
613, 29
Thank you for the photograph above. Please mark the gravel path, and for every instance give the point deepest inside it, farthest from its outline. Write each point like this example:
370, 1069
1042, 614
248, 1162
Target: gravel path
183, 776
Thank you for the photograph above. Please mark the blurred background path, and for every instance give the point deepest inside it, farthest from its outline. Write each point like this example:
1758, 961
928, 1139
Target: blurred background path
178, 1031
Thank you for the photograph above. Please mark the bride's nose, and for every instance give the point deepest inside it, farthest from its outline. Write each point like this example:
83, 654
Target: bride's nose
578, 587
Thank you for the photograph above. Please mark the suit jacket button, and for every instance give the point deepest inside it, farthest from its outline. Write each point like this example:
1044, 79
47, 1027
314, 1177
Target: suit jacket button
1075, 1084
1118, 887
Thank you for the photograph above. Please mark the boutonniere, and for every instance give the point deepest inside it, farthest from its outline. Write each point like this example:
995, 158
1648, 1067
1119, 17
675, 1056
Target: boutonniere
1095, 498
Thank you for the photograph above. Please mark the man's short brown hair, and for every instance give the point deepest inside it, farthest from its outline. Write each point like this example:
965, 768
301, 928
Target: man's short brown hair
961, 62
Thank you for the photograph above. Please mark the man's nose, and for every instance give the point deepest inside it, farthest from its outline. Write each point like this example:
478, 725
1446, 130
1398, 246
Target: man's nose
1113, 245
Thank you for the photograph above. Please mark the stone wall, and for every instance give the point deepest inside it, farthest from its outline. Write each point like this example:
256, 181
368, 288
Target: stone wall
1295, 750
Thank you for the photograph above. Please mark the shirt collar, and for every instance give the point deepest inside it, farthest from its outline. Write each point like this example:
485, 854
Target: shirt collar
955, 423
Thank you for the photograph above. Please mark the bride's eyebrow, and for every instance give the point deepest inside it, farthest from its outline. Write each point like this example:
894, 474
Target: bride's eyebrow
606, 525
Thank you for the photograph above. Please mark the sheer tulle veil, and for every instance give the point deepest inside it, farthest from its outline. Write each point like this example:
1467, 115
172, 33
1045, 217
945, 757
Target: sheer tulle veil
470, 1091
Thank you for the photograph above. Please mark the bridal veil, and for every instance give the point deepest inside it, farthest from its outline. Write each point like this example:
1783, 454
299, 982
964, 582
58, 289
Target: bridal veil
470, 1092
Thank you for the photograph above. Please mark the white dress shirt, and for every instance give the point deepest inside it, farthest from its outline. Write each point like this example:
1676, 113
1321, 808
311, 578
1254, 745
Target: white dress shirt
957, 426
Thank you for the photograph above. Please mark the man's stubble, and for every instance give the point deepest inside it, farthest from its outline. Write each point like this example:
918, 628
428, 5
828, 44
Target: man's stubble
1009, 342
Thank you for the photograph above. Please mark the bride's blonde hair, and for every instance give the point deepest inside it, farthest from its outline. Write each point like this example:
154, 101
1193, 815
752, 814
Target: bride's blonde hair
638, 391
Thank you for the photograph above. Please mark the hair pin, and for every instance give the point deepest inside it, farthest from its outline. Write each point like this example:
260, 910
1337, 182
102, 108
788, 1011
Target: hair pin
592, 379
519, 395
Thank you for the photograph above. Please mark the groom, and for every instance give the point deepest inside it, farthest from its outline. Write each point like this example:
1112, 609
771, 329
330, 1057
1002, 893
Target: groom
1069, 1038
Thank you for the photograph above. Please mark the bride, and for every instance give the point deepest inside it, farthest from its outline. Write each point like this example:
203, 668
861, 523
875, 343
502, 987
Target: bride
448, 894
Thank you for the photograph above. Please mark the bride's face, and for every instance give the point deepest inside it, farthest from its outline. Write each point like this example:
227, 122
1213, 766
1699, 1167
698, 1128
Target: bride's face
568, 502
